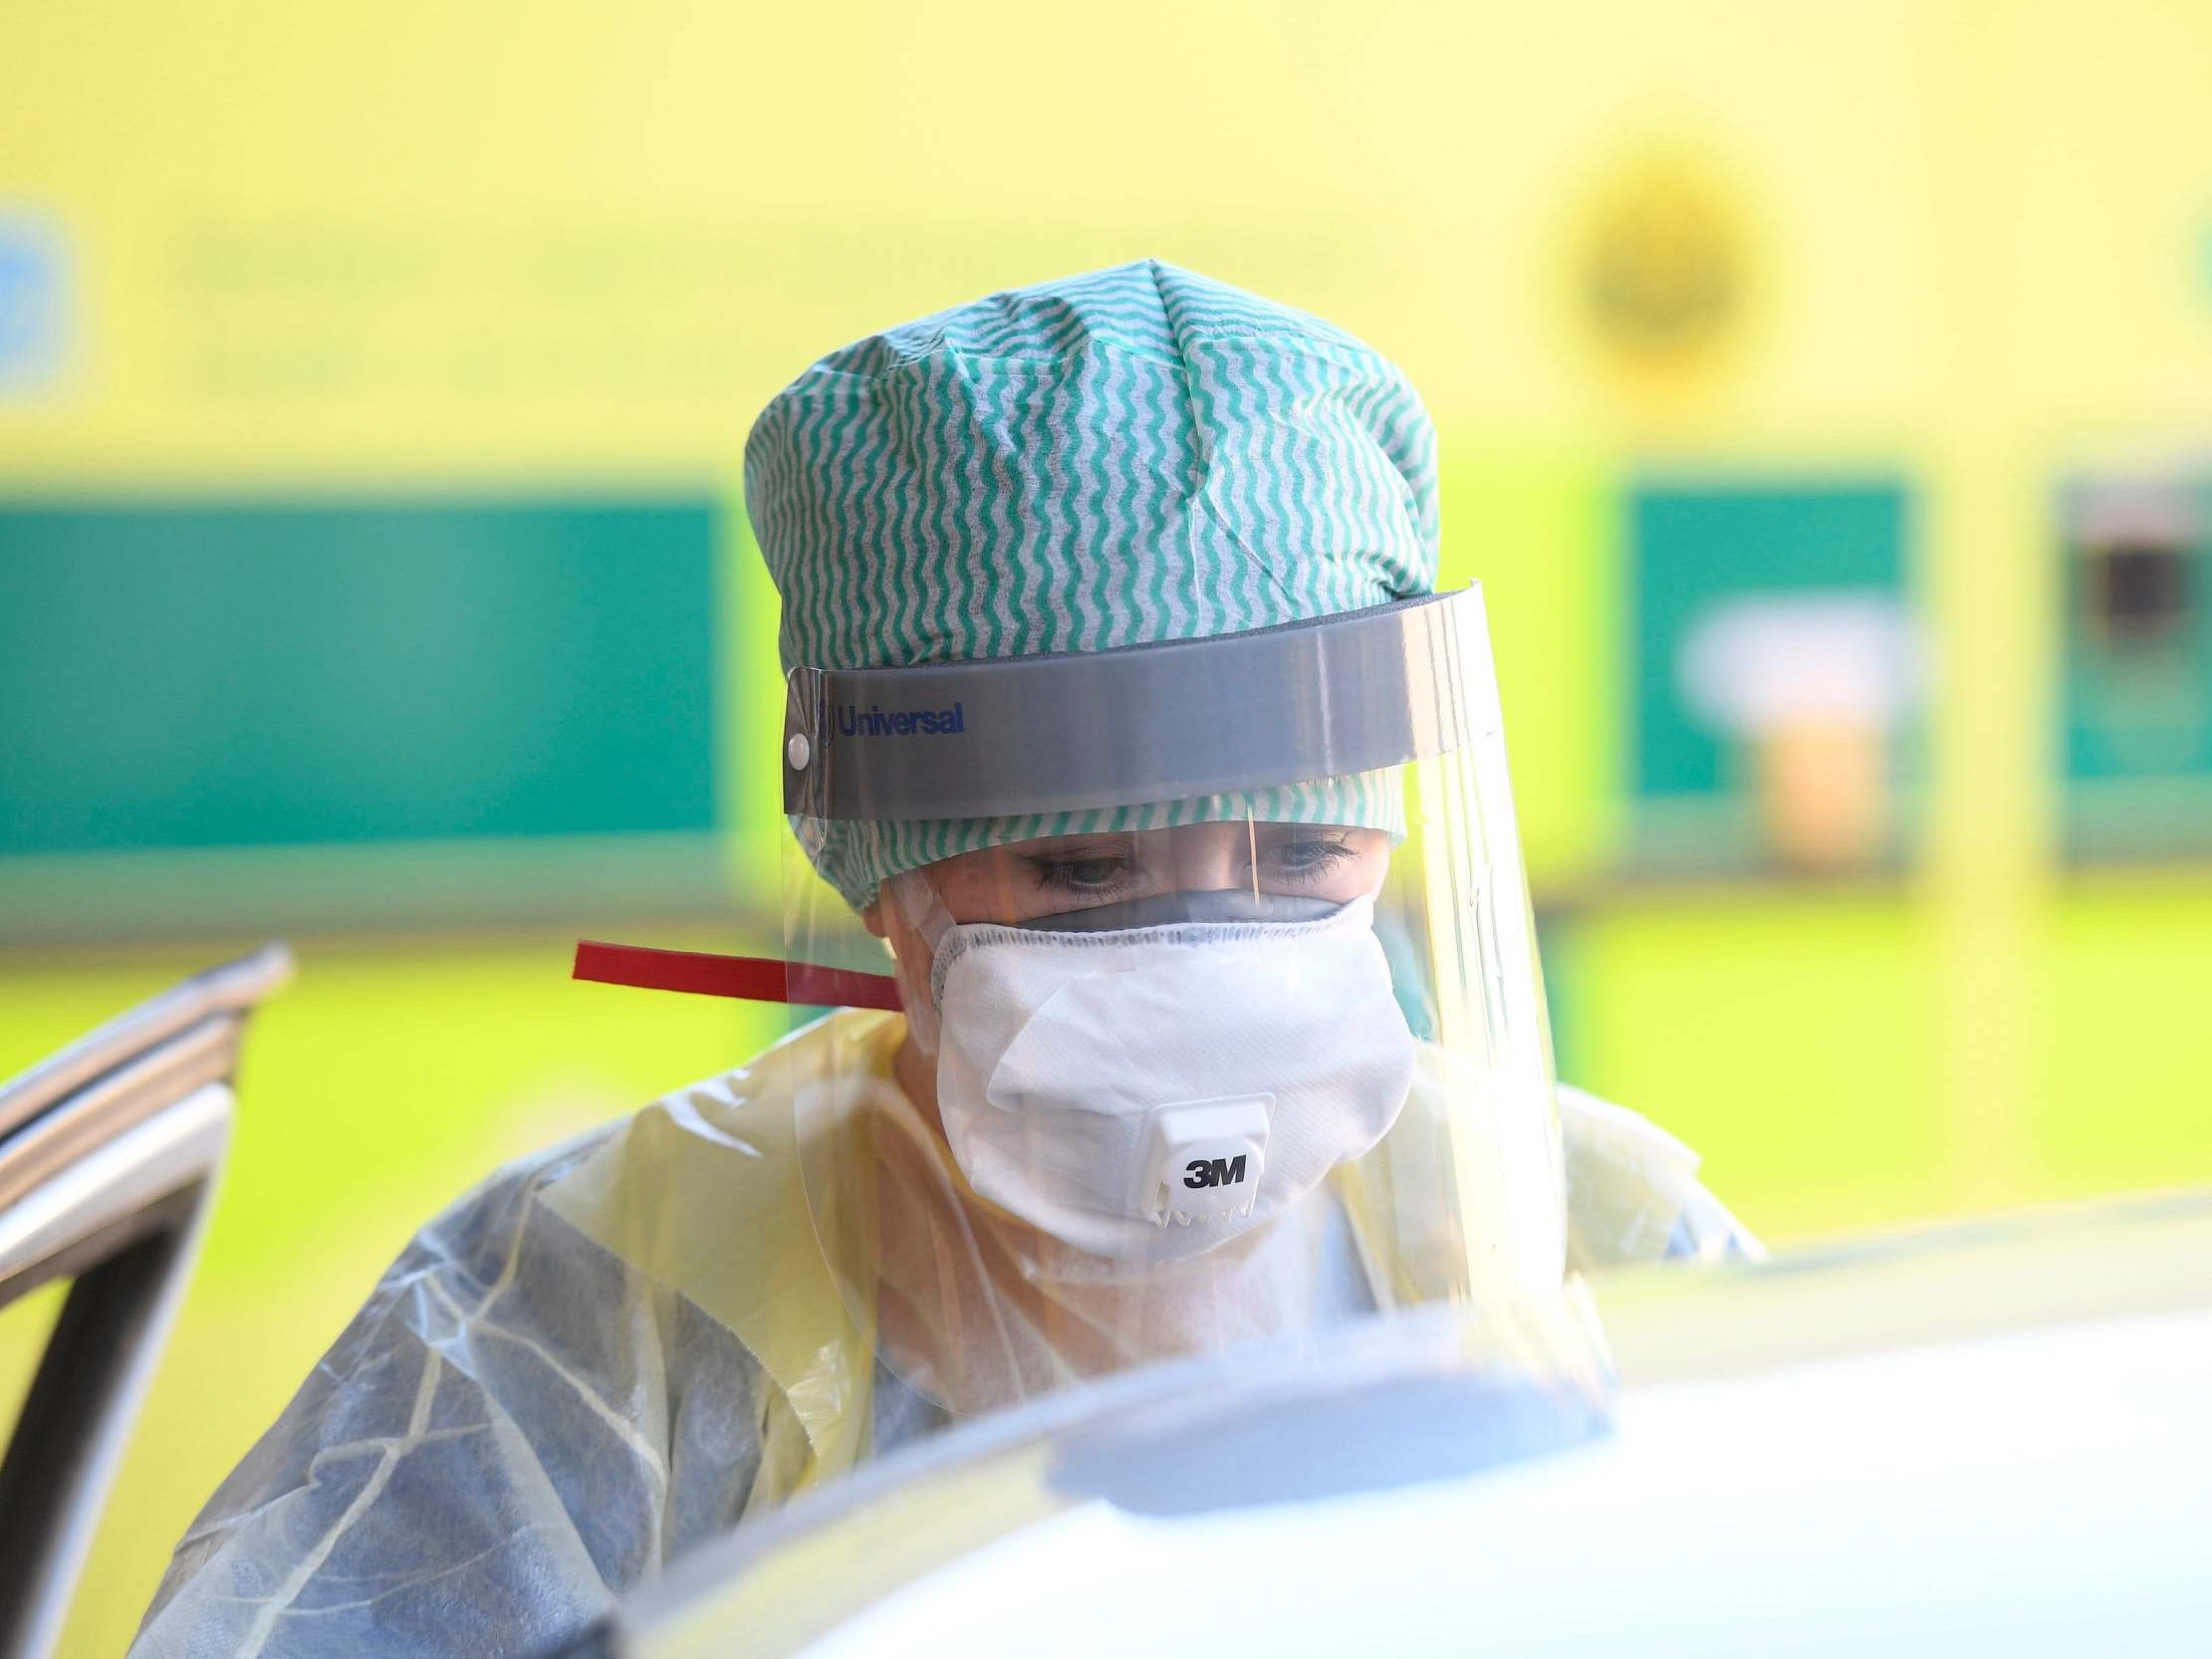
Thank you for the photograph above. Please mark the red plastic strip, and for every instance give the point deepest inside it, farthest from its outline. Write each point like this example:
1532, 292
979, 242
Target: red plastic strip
757, 979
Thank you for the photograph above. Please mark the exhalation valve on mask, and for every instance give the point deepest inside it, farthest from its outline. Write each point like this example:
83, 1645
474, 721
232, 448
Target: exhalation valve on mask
1205, 1158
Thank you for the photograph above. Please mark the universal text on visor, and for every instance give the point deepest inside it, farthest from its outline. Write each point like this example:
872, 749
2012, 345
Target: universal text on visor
874, 721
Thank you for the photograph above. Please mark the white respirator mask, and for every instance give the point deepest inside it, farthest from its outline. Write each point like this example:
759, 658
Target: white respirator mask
1147, 1093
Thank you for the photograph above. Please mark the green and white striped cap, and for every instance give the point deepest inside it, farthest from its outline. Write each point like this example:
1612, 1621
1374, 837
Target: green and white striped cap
1128, 457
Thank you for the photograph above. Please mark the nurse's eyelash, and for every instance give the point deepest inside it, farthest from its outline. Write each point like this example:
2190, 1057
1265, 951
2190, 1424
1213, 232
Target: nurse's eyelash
1088, 870
1305, 859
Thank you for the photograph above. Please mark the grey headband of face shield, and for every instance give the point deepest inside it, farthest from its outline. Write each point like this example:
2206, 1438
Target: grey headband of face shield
1170, 721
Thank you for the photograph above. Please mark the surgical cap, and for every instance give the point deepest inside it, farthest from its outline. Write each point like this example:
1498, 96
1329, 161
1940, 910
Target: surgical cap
1134, 455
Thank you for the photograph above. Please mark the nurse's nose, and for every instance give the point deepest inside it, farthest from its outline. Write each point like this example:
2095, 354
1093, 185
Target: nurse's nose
1210, 857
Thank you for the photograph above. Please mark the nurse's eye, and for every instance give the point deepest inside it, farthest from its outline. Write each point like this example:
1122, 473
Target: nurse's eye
1088, 873
1307, 859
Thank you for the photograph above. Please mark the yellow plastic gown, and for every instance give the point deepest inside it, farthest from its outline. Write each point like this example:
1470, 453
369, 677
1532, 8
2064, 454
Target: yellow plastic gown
615, 1349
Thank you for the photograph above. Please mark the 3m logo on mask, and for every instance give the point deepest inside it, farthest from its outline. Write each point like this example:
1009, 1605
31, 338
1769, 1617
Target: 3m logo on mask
1214, 1172
1206, 1158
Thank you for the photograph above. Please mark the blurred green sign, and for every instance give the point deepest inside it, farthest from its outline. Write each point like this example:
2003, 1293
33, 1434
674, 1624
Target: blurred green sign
255, 673
1776, 671
2137, 736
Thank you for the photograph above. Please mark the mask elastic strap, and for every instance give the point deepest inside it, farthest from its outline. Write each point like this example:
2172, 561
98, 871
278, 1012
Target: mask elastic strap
931, 922
758, 979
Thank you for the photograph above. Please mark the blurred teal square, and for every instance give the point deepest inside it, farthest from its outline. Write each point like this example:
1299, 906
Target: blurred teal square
1695, 544
252, 672
2134, 720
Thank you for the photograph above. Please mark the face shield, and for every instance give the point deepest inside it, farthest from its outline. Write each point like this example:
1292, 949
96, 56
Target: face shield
1222, 1013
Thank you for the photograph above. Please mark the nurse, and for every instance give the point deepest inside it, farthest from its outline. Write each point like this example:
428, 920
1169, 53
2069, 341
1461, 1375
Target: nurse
1127, 733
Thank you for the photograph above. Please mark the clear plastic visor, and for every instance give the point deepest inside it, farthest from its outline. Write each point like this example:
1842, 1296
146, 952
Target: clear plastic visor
1174, 1076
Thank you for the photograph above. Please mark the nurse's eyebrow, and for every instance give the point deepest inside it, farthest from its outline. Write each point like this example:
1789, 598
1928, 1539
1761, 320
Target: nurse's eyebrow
1096, 844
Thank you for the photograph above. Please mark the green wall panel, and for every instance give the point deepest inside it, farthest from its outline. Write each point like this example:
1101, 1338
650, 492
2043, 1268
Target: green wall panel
1814, 1088
249, 673
2120, 1047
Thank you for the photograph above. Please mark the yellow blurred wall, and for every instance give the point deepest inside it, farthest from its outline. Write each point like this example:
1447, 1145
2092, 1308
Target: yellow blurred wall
419, 243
